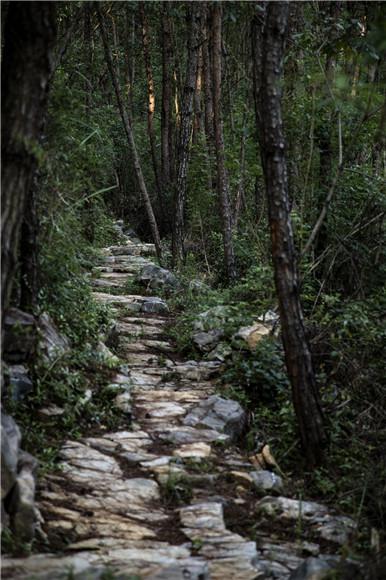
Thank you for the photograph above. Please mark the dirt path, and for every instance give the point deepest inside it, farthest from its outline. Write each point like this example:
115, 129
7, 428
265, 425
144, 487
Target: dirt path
171, 497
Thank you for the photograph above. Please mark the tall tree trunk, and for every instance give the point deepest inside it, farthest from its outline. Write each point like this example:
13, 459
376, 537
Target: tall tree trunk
29, 264
129, 134
207, 76
28, 48
297, 353
194, 24
198, 125
222, 177
166, 113
150, 100
129, 55
88, 205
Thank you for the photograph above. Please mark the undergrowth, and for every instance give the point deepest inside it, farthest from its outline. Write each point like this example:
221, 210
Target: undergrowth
347, 339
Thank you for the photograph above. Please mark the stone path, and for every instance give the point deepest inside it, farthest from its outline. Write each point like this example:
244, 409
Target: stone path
171, 497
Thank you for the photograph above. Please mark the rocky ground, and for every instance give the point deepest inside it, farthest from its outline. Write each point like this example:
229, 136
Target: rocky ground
172, 496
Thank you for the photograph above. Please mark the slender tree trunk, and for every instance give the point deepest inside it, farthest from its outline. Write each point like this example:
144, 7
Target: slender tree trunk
129, 134
166, 114
222, 177
129, 56
198, 125
297, 353
150, 100
207, 77
208, 98
240, 198
28, 48
194, 25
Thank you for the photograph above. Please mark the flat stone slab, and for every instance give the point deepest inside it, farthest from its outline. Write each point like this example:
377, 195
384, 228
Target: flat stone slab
183, 434
193, 450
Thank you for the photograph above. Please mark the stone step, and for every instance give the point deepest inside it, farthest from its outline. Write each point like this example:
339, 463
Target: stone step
132, 250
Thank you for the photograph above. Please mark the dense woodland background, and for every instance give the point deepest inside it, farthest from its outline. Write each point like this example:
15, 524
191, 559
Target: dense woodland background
162, 114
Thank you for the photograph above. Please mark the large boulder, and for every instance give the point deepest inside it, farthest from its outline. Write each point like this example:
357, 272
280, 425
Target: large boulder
156, 277
222, 415
52, 343
251, 335
22, 508
10, 446
19, 335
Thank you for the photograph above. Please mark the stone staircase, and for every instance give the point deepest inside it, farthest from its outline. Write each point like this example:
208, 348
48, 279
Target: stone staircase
171, 497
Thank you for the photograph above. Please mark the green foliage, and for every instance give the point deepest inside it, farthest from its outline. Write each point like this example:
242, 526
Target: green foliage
177, 490
78, 385
261, 373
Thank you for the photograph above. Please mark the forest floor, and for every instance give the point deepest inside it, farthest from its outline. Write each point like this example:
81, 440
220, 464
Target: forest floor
170, 496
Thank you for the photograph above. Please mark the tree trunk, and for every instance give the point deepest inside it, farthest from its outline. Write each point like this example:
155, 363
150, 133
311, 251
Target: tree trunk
151, 100
207, 75
129, 55
198, 125
166, 118
28, 48
194, 26
129, 134
222, 177
29, 252
297, 353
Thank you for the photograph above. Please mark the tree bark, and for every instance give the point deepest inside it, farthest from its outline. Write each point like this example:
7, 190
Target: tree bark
222, 177
151, 100
30, 34
297, 353
194, 24
129, 134
207, 76
166, 117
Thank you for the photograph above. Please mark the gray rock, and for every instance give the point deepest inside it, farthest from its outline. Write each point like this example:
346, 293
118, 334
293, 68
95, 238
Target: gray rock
10, 445
326, 567
52, 344
269, 317
266, 481
22, 503
206, 341
220, 352
197, 286
154, 305
214, 318
19, 335
290, 509
222, 415
157, 277
335, 529
19, 382
251, 335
